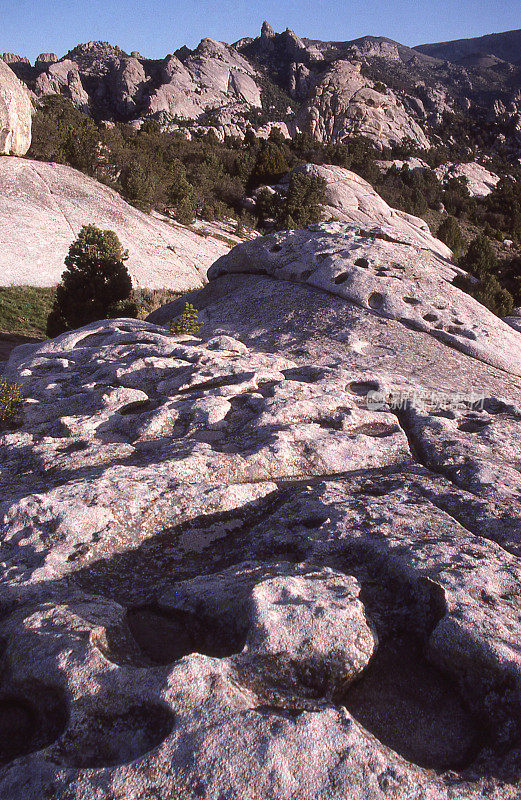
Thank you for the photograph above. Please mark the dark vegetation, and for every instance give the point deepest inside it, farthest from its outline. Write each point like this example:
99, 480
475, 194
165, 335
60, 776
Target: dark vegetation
24, 309
210, 180
10, 403
95, 284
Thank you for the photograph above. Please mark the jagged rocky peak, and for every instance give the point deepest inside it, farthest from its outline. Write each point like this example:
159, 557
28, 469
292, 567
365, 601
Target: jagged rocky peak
181, 53
92, 57
267, 31
284, 40
13, 58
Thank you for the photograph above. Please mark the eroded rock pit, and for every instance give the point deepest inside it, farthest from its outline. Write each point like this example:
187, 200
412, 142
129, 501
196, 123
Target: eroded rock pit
166, 635
412, 708
31, 719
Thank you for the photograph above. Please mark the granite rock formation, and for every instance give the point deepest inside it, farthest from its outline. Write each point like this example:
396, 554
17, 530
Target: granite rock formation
15, 114
480, 181
279, 559
349, 198
43, 206
343, 103
371, 86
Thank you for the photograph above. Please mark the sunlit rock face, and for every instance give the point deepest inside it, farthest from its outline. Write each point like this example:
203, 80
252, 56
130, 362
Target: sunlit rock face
342, 103
283, 553
43, 207
15, 114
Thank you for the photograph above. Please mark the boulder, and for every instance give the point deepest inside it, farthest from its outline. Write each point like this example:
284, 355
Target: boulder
349, 198
15, 114
390, 273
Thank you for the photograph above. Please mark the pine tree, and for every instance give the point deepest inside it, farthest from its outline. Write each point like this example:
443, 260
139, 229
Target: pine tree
480, 259
450, 233
94, 282
188, 323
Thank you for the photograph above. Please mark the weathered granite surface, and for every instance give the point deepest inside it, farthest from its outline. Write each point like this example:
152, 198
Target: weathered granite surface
479, 180
43, 206
233, 566
343, 103
349, 198
15, 114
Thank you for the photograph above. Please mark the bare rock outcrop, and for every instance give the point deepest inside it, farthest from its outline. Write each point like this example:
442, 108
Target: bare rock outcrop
349, 198
127, 84
212, 78
13, 58
44, 59
63, 77
246, 560
15, 114
343, 103
479, 180
43, 206
392, 274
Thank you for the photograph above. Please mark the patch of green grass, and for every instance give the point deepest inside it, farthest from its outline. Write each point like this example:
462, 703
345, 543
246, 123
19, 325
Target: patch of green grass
10, 402
24, 309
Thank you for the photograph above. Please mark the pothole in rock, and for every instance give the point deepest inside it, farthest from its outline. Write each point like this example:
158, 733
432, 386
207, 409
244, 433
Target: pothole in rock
361, 388
112, 738
375, 300
473, 425
166, 635
30, 721
137, 407
494, 406
413, 709
305, 374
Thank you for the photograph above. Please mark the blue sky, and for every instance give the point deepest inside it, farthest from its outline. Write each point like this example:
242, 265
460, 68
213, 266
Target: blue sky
158, 27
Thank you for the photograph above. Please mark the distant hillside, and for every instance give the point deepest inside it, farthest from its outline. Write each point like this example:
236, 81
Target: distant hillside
506, 46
